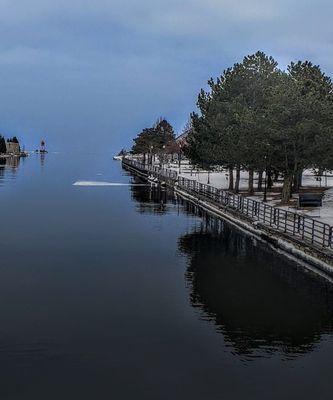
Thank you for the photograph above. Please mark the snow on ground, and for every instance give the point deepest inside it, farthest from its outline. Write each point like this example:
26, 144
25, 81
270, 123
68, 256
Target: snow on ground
324, 213
221, 181
218, 179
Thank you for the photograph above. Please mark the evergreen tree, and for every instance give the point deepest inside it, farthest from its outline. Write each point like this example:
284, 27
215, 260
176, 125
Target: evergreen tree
2, 145
164, 132
232, 121
259, 118
154, 140
301, 122
145, 142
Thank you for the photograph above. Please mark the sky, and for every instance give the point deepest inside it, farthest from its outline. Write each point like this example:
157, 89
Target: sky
89, 75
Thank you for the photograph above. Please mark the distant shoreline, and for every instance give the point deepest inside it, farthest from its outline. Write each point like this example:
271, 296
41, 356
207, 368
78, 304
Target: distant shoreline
22, 154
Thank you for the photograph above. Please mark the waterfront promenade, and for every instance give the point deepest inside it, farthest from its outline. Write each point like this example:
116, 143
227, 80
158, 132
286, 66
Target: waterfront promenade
300, 235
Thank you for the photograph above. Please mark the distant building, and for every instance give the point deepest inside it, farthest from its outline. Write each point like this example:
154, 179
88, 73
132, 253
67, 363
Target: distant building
12, 148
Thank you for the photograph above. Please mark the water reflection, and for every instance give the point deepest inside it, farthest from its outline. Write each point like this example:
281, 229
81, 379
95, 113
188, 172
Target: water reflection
8, 168
151, 199
42, 159
261, 302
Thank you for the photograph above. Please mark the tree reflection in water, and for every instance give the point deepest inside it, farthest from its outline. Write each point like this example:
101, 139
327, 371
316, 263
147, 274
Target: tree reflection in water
152, 199
260, 301
8, 167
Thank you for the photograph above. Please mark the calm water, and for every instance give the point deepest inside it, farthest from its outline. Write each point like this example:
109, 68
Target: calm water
125, 293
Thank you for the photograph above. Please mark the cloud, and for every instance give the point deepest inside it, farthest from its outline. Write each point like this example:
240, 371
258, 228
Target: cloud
69, 67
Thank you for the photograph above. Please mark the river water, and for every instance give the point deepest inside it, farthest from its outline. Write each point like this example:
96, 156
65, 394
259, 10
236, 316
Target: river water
124, 292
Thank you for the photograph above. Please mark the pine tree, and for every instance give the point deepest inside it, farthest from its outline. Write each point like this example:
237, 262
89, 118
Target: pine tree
2, 145
231, 123
301, 119
155, 139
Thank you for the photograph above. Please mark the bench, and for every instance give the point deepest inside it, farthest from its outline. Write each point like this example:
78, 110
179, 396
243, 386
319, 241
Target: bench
310, 200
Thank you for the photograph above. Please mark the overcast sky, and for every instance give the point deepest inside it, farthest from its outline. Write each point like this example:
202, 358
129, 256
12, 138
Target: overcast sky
93, 73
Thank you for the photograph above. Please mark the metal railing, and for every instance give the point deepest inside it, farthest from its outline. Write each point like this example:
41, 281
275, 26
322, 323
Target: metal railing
288, 222
153, 169
304, 228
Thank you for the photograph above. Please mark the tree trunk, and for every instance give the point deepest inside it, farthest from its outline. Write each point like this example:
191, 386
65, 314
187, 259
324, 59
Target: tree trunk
260, 181
286, 189
298, 180
276, 176
251, 187
237, 179
231, 178
269, 178
295, 183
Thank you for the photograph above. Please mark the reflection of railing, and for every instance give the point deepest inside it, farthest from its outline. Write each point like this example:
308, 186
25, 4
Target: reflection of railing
304, 228
159, 171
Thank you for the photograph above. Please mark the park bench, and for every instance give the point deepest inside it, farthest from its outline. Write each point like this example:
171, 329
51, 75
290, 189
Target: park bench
310, 200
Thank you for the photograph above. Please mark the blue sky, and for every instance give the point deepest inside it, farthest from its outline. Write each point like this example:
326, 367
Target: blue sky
91, 74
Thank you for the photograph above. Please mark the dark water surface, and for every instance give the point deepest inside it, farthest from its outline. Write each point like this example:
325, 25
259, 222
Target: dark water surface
124, 293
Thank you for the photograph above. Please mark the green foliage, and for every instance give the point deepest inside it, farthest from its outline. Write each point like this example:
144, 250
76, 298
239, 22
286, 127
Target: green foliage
164, 133
154, 139
254, 115
144, 142
300, 115
232, 120
2, 144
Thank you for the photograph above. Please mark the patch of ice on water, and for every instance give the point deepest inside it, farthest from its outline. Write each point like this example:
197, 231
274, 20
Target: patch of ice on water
101, 183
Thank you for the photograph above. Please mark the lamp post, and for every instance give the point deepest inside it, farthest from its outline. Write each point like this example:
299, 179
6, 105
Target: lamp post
162, 156
151, 154
180, 156
265, 187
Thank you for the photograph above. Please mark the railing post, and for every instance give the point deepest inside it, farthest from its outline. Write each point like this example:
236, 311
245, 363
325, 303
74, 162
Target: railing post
278, 219
303, 225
